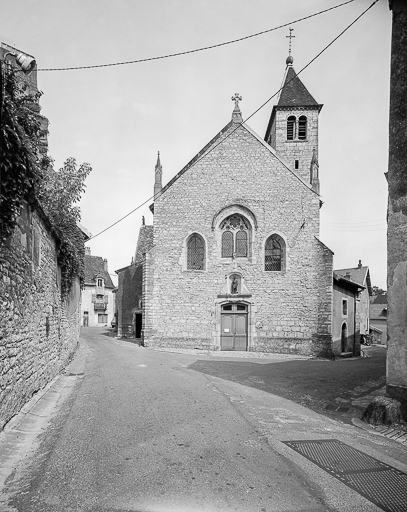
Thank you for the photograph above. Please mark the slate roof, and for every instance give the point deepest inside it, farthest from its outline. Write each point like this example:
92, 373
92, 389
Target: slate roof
379, 299
144, 243
359, 275
94, 268
294, 92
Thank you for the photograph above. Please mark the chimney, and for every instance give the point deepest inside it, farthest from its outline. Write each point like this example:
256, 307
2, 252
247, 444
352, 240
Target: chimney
105, 265
360, 264
87, 251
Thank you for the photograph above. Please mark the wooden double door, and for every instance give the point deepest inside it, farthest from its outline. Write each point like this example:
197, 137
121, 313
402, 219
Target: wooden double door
233, 327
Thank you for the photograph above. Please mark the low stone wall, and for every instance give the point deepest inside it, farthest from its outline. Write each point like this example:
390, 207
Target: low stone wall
39, 332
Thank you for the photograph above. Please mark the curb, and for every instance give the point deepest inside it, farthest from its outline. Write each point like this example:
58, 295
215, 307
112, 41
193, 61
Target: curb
395, 434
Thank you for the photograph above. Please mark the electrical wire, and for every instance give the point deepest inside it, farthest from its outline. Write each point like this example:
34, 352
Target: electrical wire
251, 115
197, 49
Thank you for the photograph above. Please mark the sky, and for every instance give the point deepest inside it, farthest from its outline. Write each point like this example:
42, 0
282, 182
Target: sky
117, 118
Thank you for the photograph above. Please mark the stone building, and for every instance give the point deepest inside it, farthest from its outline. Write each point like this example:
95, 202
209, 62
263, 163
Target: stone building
39, 329
129, 295
236, 262
361, 276
397, 212
378, 318
98, 300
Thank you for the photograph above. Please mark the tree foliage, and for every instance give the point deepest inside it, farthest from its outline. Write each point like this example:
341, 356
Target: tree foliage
27, 174
58, 193
20, 166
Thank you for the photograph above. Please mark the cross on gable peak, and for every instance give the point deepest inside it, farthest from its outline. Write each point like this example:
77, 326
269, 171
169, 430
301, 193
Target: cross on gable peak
236, 98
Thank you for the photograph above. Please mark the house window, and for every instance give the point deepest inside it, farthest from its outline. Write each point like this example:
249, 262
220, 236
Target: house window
274, 254
100, 282
302, 128
235, 236
296, 164
195, 252
344, 307
291, 128
102, 319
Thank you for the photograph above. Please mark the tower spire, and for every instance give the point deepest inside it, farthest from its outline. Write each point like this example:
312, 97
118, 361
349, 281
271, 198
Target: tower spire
158, 184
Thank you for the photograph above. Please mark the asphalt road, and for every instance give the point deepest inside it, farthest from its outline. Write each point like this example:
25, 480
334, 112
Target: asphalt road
314, 383
145, 431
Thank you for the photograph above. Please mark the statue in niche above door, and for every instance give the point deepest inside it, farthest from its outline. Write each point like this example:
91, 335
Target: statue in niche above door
235, 284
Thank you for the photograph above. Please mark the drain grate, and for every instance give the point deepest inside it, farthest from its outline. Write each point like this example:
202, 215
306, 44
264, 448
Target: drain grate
378, 482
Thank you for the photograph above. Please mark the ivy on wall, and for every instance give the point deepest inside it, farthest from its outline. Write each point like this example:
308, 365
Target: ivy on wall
27, 174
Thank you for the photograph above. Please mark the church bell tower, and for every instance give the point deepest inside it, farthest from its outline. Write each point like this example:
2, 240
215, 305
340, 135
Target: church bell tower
293, 127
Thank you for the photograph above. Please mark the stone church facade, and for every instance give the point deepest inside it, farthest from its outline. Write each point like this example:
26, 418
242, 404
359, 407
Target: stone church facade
236, 262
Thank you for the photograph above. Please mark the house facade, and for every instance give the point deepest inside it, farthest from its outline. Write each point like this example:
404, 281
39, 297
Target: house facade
345, 326
98, 300
236, 262
361, 276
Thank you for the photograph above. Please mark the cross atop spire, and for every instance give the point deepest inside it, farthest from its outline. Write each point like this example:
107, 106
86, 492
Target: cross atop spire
290, 36
289, 61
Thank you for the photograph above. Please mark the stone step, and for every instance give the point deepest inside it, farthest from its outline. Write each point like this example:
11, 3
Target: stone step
346, 354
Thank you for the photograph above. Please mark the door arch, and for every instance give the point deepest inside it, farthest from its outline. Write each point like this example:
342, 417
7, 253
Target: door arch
234, 326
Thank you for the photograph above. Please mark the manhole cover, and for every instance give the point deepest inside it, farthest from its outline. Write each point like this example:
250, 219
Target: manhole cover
383, 485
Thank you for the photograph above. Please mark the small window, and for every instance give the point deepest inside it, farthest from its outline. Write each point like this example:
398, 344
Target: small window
196, 252
227, 244
273, 254
227, 307
291, 128
344, 307
296, 164
302, 128
100, 282
241, 307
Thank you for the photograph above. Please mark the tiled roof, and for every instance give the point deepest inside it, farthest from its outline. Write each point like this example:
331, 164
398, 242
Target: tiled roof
294, 92
94, 268
379, 299
378, 312
144, 243
360, 275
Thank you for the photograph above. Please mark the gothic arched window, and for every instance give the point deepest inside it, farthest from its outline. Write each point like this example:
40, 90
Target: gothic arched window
195, 252
302, 128
291, 128
227, 244
274, 254
235, 236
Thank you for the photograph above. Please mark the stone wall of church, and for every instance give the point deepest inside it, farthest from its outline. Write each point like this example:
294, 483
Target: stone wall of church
285, 314
39, 331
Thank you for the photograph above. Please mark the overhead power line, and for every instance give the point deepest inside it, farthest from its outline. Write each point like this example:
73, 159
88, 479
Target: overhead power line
196, 49
245, 120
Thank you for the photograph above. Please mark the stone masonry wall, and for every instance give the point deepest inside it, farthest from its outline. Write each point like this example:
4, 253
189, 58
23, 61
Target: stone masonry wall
291, 150
38, 331
285, 311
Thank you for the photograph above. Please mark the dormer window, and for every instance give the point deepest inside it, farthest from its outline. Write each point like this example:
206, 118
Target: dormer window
100, 282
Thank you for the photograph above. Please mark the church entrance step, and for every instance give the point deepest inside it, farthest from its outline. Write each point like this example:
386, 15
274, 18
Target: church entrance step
346, 354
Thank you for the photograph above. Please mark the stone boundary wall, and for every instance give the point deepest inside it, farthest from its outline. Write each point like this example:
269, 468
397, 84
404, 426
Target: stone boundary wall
39, 332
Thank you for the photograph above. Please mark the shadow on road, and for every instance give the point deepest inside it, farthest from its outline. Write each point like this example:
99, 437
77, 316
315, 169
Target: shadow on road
312, 383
